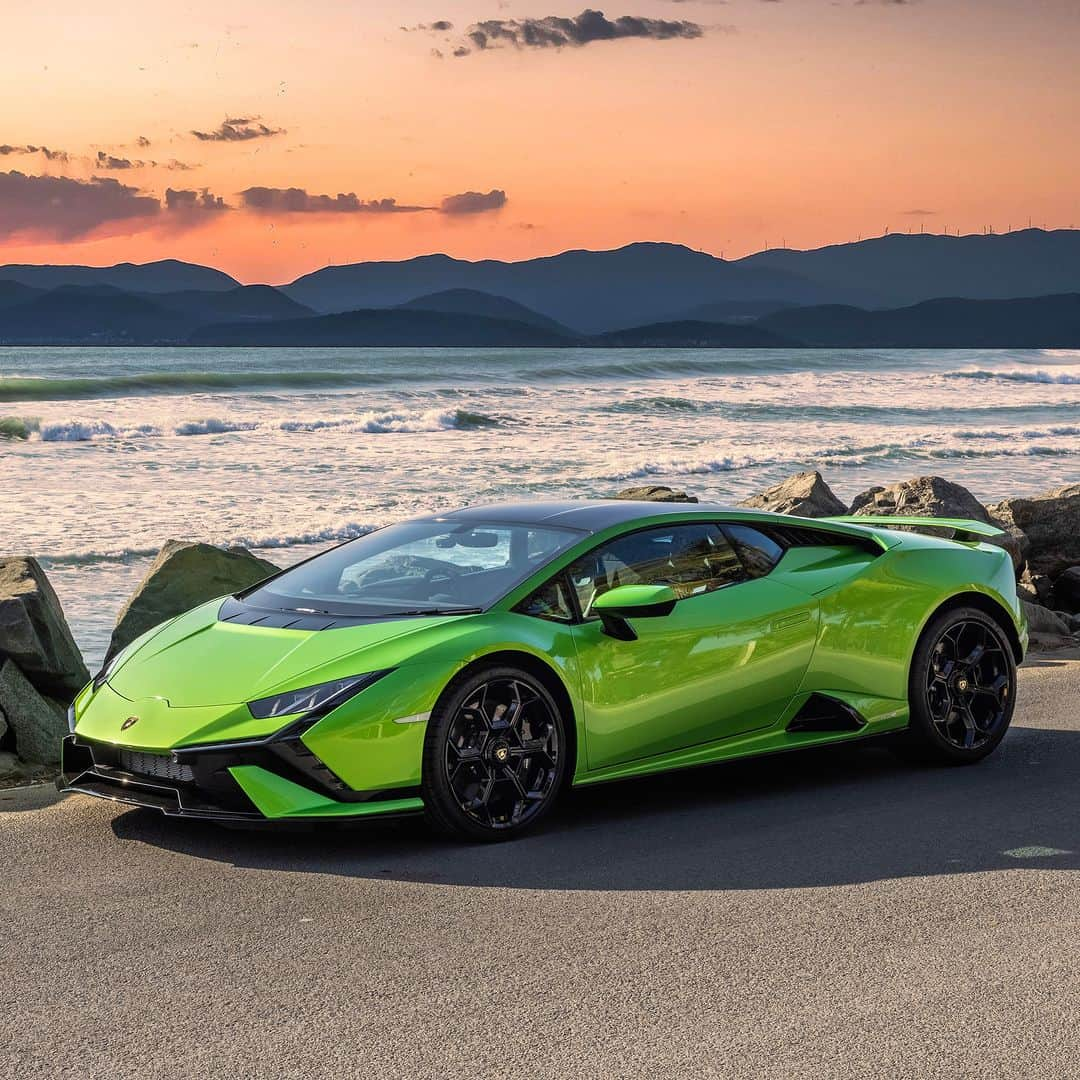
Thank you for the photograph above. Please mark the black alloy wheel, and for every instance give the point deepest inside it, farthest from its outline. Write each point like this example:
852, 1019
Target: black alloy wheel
494, 755
963, 687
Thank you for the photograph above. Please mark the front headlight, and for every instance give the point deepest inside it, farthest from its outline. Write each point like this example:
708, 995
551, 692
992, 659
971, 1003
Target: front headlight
108, 670
312, 699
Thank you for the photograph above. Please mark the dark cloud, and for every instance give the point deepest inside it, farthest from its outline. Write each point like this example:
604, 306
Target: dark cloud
28, 148
298, 201
439, 25
238, 129
64, 209
473, 202
142, 142
107, 161
554, 31
181, 201
918, 213
110, 163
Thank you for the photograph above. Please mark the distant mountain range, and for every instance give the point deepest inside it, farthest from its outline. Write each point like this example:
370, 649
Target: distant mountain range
1042, 322
589, 291
1014, 290
103, 314
167, 275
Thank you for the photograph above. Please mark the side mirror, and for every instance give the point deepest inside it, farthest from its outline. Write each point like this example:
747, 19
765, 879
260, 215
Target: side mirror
632, 602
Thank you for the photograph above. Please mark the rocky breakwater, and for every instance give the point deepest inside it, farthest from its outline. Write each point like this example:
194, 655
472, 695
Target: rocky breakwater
41, 668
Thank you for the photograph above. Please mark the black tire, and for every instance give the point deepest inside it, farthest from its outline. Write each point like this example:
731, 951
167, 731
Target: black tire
962, 689
495, 755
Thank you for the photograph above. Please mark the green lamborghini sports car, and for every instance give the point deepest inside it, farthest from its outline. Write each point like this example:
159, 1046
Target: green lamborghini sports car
472, 665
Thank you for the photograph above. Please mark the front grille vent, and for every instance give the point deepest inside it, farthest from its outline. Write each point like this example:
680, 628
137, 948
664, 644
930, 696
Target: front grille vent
159, 766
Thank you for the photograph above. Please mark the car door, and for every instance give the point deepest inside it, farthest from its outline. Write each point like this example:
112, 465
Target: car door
726, 661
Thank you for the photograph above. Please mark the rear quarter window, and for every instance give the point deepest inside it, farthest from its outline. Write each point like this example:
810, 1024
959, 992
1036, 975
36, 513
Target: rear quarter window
757, 552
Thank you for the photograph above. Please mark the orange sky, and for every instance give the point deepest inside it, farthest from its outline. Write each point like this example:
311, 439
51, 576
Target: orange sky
794, 121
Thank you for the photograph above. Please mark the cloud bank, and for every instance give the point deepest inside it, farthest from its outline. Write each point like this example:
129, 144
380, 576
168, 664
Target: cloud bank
59, 208
49, 155
556, 32
296, 200
65, 209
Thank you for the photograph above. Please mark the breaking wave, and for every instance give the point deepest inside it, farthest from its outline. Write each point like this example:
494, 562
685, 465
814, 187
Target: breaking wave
389, 422
1026, 375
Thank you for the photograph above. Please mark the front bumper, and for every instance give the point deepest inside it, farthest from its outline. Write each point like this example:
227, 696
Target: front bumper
246, 782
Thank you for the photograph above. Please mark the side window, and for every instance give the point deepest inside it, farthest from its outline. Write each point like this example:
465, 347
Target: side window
692, 559
757, 552
550, 601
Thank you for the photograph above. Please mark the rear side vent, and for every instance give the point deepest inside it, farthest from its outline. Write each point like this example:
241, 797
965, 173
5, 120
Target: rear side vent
797, 536
823, 713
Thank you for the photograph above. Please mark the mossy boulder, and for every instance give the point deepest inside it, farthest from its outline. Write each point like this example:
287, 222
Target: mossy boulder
34, 633
38, 723
184, 575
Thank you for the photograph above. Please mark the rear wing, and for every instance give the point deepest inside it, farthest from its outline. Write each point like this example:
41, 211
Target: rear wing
963, 529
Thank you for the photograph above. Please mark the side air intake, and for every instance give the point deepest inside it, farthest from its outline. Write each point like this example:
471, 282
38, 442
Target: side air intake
823, 713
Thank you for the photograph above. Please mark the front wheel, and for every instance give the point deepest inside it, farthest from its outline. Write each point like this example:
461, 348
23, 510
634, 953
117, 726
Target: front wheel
495, 755
962, 688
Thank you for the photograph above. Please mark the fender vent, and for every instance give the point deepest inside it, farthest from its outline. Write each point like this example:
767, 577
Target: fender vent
823, 713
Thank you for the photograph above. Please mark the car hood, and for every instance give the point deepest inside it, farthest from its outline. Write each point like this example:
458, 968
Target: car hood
197, 660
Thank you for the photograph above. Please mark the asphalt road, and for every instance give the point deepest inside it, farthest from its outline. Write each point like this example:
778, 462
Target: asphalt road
831, 914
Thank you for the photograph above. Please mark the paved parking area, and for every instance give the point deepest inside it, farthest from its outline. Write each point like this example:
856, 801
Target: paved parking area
829, 914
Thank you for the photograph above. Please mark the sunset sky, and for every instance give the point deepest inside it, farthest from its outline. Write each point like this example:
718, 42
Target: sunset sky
726, 126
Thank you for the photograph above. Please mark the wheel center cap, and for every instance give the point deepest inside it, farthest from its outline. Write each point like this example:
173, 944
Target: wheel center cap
500, 752
962, 684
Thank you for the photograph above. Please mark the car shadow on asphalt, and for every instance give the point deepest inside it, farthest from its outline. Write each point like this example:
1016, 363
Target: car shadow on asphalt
815, 818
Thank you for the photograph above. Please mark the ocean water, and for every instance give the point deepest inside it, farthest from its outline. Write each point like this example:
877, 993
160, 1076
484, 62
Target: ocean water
107, 453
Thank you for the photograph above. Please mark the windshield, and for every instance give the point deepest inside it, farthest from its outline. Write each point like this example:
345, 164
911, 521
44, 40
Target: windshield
416, 568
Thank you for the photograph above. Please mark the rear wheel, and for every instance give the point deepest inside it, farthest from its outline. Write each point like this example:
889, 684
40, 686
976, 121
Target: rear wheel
494, 755
962, 688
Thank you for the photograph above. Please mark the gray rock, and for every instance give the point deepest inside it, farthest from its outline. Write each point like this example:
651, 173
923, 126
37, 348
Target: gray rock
1052, 524
34, 632
1026, 592
1067, 589
923, 496
655, 493
1040, 585
934, 496
805, 494
183, 576
38, 722
1046, 627
10, 768
1074, 623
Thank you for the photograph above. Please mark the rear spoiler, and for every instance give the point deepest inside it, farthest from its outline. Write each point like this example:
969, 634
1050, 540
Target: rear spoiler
963, 529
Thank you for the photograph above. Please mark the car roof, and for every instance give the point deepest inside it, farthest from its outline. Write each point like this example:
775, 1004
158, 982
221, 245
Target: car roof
587, 515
